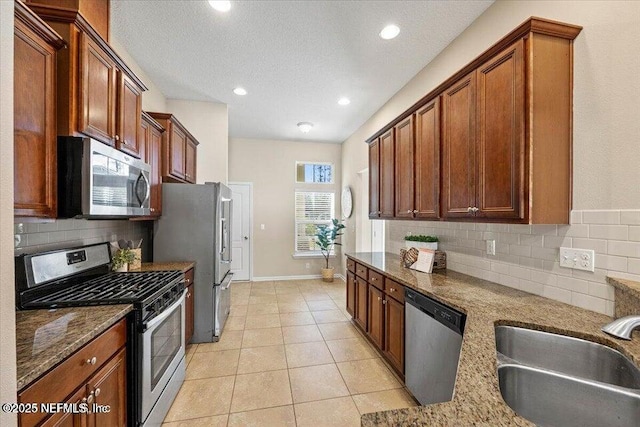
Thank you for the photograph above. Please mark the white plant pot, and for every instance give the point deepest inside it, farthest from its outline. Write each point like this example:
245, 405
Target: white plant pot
123, 269
421, 245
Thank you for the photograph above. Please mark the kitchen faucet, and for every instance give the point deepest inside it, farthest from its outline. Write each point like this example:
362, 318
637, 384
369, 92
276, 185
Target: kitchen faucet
622, 327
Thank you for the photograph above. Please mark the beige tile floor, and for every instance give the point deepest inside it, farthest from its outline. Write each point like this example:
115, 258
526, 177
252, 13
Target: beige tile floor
289, 356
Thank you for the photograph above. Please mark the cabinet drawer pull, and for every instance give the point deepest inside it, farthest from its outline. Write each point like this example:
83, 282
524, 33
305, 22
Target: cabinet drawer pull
91, 361
97, 392
379, 298
409, 211
469, 209
384, 301
392, 290
117, 138
373, 279
90, 397
415, 211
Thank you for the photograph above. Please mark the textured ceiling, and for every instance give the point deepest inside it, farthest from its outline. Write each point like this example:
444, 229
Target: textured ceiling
295, 58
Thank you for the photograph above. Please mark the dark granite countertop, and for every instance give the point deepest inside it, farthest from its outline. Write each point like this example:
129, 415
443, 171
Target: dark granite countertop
477, 399
183, 266
44, 338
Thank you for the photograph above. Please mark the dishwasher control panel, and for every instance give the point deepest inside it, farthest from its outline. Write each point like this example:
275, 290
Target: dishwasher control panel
448, 316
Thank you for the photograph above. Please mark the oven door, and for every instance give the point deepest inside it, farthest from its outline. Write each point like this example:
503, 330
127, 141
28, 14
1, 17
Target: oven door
163, 348
118, 184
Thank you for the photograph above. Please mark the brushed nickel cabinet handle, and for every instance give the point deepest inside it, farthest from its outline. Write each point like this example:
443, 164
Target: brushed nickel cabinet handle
91, 361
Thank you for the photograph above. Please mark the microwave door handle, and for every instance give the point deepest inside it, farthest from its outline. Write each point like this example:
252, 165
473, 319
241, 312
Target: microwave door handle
147, 189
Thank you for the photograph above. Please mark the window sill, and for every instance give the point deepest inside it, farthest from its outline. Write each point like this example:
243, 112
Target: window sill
310, 256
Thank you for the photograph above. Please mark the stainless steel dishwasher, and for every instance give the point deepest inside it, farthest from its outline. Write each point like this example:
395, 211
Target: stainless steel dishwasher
433, 337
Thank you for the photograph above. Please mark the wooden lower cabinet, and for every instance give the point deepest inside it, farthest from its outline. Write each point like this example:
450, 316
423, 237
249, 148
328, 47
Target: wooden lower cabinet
379, 311
376, 316
94, 374
189, 306
361, 311
394, 333
351, 293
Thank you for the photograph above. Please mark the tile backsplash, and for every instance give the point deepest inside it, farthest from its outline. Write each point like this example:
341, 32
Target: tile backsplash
527, 255
67, 233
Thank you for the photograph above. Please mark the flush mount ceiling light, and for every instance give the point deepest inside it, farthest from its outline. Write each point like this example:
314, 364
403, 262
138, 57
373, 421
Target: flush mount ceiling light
389, 32
220, 6
344, 101
305, 127
240, 91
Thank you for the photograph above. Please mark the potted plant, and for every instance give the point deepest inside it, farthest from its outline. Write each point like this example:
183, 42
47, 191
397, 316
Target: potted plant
121, 260
326, 240
420, 241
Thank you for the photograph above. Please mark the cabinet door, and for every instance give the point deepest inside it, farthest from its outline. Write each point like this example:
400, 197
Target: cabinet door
154, 148
427, 157
374, 179
129, 111
376, 316
190, 161
96, 115
177, 146
362, 303
109, 387
189, 311
458, 149
501, 139
351, 293
143, 140
404, 165
387, 175
69, 419
394, 333
34, 119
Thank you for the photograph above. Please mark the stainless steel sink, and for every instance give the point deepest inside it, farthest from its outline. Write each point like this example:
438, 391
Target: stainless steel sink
572, 356
554, 380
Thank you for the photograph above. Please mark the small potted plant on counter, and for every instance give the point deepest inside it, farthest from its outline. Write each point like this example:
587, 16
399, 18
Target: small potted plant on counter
326, 240
121, 259
420, 241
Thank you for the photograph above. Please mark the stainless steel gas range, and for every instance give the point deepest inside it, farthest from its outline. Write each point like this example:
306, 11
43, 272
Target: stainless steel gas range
156, 343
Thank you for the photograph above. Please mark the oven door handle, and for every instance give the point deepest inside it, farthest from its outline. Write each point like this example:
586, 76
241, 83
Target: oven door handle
165, 313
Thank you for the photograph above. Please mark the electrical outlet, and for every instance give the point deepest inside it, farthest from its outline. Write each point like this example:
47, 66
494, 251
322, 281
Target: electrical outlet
307, 265
578, 259
491, 247
261, 226
17, 239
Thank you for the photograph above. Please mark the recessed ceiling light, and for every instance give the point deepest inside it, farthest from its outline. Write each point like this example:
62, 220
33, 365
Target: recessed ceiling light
220, 6
305, 127
240, 91
389, 32
344, 101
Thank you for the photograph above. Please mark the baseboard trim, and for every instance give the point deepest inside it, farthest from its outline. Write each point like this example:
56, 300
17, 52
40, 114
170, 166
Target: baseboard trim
300, 277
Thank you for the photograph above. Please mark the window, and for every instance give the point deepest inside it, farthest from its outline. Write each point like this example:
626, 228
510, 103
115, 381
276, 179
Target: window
312, 209
314, 173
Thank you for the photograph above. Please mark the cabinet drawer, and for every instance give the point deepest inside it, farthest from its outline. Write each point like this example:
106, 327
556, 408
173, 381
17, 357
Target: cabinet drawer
351, 265
394, 289
188, 278
376, 279
361, 271
62, 380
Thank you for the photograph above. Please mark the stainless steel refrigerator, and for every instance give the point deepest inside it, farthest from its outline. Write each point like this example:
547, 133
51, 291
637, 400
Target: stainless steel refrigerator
196, 226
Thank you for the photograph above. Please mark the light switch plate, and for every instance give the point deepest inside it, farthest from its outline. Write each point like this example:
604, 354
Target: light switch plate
578, 259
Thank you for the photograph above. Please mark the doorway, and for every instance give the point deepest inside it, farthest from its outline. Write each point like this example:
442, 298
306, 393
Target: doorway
242, 239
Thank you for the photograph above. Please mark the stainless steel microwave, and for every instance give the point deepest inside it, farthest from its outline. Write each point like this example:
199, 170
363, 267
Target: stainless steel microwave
98, 181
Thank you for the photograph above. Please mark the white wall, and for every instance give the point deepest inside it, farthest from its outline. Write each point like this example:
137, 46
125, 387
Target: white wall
7, 287
209, 123
270, 165
606, 98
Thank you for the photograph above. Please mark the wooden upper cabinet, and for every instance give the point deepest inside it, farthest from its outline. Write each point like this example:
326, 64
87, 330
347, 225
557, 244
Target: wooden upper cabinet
404, 168
503, 128
151, 151
501, 137
458, 147
176, 154
374, 179
387, 175
34, 116
427, 161
97, 113
95, 12
190, 160
179, 150
129, 112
